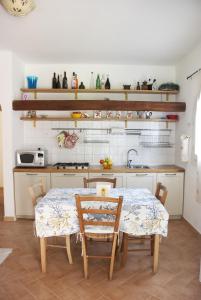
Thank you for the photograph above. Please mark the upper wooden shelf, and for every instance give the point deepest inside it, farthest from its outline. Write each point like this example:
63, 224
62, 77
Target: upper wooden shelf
88, 91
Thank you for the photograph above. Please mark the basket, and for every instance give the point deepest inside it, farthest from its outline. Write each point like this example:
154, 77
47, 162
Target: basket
18, 7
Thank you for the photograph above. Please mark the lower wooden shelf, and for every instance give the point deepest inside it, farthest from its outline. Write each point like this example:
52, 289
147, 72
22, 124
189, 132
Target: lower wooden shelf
38, 119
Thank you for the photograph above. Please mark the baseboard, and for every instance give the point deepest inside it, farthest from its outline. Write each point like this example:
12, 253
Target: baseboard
9, 219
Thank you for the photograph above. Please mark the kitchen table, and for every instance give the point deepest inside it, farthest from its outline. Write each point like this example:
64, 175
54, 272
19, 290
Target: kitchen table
142, 213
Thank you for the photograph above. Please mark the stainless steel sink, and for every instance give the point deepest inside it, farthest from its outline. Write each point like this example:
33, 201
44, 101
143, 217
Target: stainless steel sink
139, 167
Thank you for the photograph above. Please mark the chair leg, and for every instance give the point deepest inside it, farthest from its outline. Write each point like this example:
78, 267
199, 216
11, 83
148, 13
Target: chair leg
85, 259
156, 253
68, 249
125, 249
114, 244
43, 254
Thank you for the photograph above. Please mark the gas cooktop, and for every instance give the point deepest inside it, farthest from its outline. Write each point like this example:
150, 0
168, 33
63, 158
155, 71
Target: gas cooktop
81, 165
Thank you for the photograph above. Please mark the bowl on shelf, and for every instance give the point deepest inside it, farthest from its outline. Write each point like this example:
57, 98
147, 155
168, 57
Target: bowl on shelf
76, 115
172, 117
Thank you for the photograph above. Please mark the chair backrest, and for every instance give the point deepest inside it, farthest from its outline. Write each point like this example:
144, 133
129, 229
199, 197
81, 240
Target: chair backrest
114, 212
161, 193
92, 180
36, 190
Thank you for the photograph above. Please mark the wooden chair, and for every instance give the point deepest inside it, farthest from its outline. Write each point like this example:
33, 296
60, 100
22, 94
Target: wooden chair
161, 195
92, 180
37, 192
87, 226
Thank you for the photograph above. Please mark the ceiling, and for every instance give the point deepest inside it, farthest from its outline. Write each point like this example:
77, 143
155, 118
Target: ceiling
108, 31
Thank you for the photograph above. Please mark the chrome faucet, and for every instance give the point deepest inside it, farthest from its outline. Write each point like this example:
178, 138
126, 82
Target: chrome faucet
130, 160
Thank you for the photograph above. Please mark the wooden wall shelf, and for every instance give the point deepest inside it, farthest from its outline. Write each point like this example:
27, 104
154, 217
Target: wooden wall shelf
112, 105
38, 119
88, 91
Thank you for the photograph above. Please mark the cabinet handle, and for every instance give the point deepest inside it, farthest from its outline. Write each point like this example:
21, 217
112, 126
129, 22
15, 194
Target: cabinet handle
31, 174
69, 174
141, 175
107, 174
170, 174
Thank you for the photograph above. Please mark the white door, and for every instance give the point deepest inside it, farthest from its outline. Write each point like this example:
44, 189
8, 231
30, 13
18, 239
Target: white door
118, 176
68, 180
23, 203
174, 183
141, 180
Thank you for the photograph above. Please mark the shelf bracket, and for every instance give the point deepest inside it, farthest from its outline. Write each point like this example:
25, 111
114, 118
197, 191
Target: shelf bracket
35, 95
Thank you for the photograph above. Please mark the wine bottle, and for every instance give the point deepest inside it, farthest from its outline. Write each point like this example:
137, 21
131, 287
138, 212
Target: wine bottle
54, 81
58, 83
107, 84
98, 82
65, 82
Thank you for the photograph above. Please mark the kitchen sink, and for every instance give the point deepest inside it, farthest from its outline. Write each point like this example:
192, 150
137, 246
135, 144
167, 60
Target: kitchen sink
138, 167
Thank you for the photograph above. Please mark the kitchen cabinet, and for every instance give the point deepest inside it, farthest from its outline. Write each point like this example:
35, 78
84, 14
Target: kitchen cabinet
141, 180
118, 176
23, 203
67, 180
175, 185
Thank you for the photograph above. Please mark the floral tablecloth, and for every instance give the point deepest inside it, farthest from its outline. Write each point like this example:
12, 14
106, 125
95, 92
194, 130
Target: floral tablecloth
142, 213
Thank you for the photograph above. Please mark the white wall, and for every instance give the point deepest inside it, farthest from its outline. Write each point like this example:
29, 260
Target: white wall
1, 152
9, 72
190, 90
118, 146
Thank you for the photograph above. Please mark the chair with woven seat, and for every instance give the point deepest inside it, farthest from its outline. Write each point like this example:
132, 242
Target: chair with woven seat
37, 192
161, 195
92, 226
94, 180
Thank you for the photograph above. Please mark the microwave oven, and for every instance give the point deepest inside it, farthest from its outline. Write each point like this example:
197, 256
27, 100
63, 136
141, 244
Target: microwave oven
31, 158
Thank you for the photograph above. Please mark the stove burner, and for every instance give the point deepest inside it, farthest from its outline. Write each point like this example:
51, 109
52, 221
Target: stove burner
71, 165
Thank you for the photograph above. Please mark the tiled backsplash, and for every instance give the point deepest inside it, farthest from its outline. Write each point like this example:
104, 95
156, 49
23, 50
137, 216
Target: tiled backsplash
117, 146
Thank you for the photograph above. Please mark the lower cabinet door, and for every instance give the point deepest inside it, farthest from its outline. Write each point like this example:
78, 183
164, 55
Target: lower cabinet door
23, 203
68, 180
141, 180
174, 183
118, 176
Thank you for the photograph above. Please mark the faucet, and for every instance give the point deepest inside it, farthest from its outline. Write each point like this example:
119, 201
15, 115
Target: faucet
130, 160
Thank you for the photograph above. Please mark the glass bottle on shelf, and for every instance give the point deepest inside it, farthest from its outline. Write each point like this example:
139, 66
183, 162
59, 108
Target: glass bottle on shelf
98, 82
81, 86
73, 81
138, 86
103, 81
58, 82
65, 81
76, 81
54, 81
107, 83
92, 85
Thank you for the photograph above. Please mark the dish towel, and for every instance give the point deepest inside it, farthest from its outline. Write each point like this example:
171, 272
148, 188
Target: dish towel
185, 140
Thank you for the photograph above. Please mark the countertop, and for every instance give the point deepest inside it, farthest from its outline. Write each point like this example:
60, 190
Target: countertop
99, 169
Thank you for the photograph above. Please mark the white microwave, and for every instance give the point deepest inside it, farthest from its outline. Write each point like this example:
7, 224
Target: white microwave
31, 158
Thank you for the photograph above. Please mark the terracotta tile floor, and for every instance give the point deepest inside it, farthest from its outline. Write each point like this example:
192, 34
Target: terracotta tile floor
21, 278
